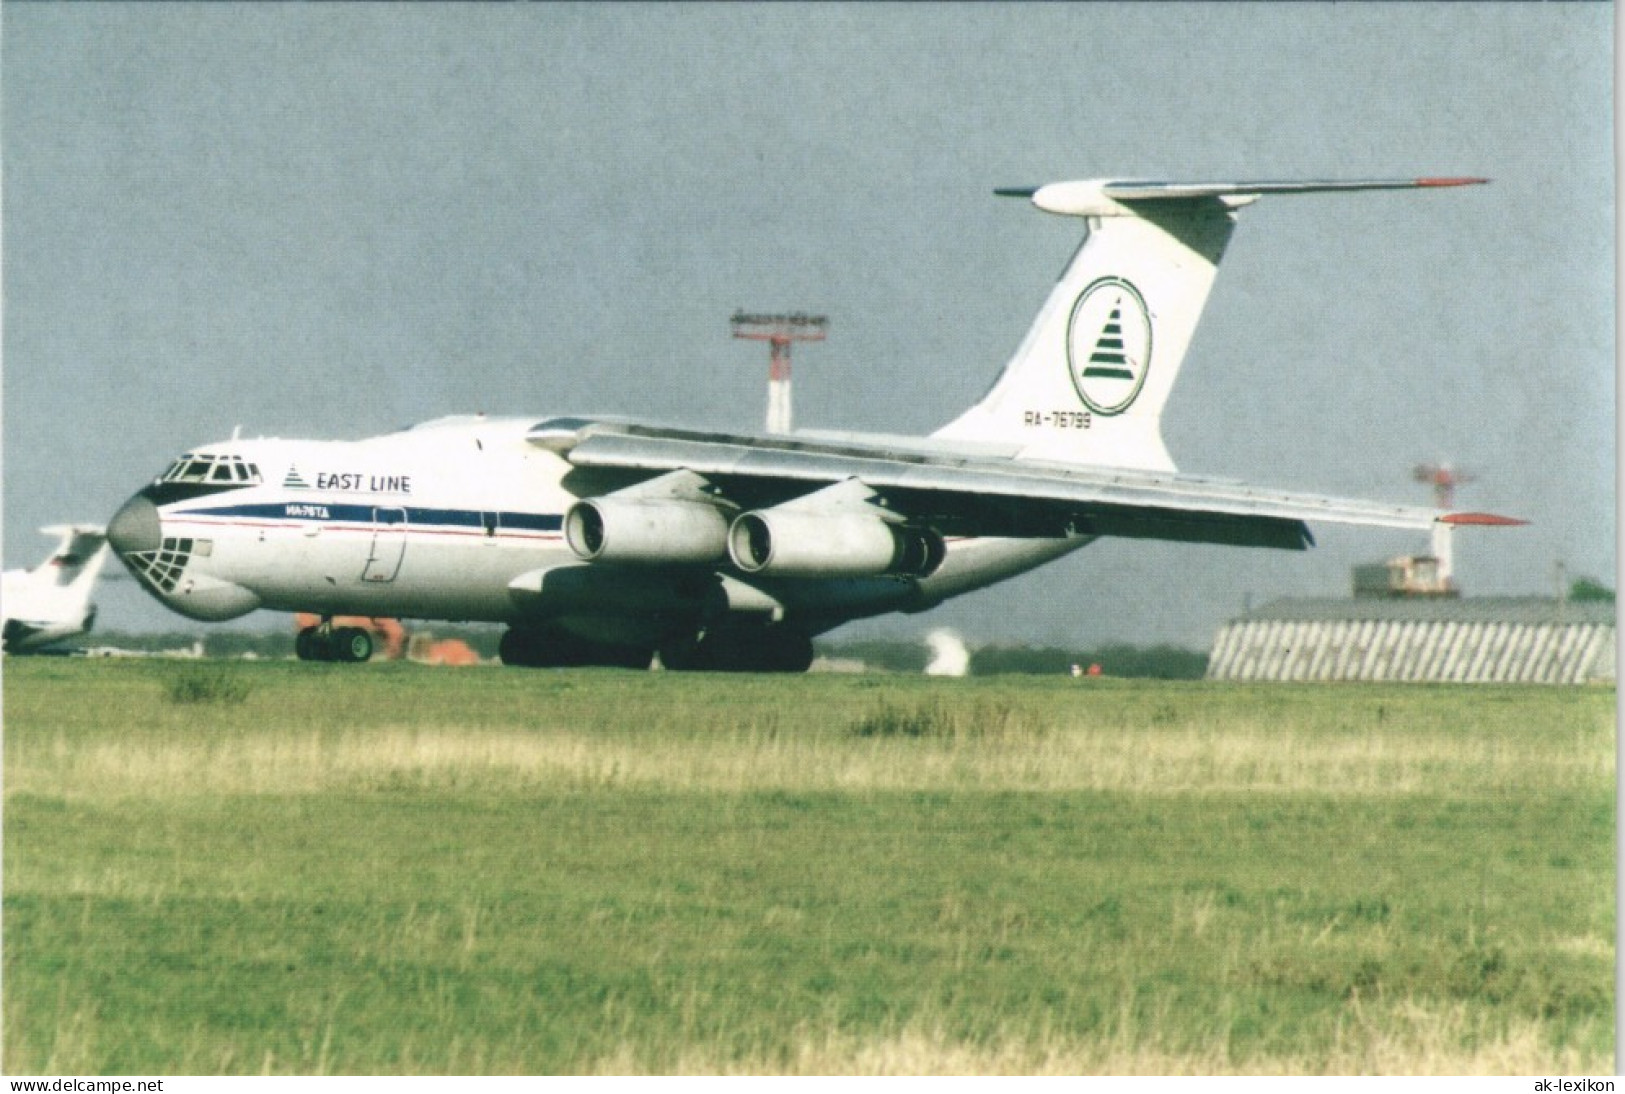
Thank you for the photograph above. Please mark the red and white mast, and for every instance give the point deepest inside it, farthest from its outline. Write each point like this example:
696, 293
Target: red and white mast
779, 332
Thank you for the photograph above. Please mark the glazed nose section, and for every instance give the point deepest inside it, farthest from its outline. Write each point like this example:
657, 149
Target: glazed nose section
134, 528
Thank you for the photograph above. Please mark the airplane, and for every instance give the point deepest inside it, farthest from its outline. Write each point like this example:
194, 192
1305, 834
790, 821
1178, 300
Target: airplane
605, 541
51, 602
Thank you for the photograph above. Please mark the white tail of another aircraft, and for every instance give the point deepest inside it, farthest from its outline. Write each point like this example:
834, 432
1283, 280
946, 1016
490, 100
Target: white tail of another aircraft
1088, 383
52, 601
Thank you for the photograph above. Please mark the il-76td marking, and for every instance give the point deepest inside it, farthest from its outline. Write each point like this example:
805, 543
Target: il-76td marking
1058, 419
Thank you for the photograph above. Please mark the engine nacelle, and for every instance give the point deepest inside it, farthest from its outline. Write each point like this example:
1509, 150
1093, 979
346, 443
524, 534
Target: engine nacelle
646, 530
779, 542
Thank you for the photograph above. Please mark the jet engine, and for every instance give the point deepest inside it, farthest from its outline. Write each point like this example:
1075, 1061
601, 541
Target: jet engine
646, 530
787, 543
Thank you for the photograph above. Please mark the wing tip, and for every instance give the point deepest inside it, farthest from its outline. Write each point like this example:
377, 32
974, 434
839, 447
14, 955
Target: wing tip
1462, 180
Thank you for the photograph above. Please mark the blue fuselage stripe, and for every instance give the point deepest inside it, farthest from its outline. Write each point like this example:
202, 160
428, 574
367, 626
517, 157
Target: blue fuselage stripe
349, 513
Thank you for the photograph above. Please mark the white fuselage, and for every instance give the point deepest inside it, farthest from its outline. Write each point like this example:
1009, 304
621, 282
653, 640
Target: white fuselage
453, 520
38, 614
426, 523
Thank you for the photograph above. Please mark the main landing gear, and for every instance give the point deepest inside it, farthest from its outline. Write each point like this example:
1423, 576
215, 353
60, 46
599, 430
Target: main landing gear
745, 649
766, 649
547, 648
325, 642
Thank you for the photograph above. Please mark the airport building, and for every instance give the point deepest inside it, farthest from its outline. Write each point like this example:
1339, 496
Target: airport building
1419, 638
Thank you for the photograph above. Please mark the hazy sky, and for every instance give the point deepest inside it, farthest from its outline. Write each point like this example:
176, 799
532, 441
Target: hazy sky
331, 220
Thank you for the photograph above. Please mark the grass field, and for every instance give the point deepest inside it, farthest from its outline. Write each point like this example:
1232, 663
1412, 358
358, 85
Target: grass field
277, 867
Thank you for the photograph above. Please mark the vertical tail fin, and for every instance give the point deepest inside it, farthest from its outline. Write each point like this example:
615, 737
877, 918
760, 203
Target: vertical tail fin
78, 558
1089, 381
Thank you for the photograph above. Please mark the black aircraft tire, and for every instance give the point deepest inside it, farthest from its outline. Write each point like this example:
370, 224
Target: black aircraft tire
525, 649
791, 652
740, 651
557, 650
625, 657
512, 647
682, 654
304, 645
528, 650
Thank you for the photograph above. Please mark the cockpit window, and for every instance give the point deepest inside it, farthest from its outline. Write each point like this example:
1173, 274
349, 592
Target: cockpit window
230, 469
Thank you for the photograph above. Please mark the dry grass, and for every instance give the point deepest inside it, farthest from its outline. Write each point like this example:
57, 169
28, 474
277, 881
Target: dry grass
1064, 756
1407, 1040
285, 731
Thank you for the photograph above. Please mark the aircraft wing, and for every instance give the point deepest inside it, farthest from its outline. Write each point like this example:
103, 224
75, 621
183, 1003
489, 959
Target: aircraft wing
969, 493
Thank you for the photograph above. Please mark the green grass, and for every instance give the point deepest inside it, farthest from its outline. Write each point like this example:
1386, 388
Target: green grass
390, 868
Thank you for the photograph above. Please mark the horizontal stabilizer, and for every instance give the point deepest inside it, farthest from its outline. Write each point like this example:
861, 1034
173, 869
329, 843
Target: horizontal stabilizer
1092, 197
1482, 520
1152, 191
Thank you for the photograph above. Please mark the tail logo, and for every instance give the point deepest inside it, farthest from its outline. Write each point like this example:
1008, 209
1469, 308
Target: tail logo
1108, 345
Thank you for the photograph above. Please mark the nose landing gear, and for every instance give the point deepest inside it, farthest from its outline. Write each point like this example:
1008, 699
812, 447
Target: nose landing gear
325, 642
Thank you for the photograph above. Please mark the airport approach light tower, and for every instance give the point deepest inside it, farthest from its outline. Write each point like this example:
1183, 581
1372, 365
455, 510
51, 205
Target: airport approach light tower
1444, 479
779, 332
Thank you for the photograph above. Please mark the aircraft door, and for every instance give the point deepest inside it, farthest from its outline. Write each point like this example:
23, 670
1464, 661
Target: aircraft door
388, 545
